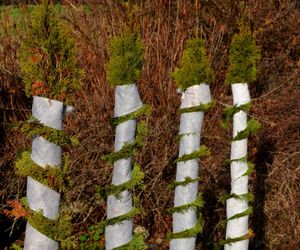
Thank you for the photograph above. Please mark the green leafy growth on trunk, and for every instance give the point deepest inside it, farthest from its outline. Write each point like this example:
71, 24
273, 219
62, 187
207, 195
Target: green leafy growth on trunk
230, 111
137, 243
243, 55
247, 236
194, 67
200, 108
50, 176
201, 152
198, 203
187, 180
188, 233
59, 230
48, 57
126, 59
33, 127
135, 182
144, 110
252, 127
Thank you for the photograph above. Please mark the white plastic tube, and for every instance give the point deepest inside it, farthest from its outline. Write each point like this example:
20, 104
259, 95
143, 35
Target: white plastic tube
44, 153
239, 184
127, 100
190, 129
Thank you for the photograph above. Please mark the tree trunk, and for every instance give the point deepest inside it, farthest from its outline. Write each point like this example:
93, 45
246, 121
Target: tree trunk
238, 227
127, 100
44, 153
190, 129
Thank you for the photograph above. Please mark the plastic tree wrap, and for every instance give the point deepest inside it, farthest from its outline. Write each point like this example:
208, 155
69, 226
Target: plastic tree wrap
44, 153
127, 100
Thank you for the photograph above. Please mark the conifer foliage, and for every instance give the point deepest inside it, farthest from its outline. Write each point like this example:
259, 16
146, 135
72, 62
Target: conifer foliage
48, 57
192, 77
243, 55
51, 74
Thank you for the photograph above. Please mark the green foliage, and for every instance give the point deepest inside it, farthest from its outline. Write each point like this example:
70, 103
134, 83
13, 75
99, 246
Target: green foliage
243, 55
126, 59
135, 182
200, 108
188, 233
137, 243
50, 176
198, 203
250, 168
252, 127
144, 110
117, 220
247, 236
48, 57
129, 149
187, 180
33, 127
59, 230
242, 214
249, 197
201, 152
194, 67
242, 159
230, 111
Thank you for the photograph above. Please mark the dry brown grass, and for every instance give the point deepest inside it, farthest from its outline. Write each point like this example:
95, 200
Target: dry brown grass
165, 25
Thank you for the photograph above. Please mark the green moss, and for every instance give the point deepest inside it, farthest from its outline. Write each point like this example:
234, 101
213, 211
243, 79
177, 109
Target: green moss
249, 197
242, 214
247, 236
242, 159
252, 127
126, 59
194, 67
201, 152
48, 57
50, 176
243, 55
119, 219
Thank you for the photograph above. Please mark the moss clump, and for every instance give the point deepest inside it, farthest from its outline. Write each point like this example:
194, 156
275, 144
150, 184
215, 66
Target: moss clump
126, 59
194, 67
243, 55
48, 57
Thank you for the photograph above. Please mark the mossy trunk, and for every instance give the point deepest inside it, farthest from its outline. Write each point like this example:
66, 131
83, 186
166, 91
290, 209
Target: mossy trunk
44, 153
237, 226
186, 221
127, 100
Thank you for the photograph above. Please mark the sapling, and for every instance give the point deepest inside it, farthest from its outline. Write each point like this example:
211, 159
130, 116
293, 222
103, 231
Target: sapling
124, 67
192, 77
242, 56
51, 74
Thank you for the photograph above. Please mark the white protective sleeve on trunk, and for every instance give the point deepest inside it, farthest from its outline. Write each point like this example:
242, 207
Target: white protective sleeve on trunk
127, 100
44, 153
239, 184
190, 128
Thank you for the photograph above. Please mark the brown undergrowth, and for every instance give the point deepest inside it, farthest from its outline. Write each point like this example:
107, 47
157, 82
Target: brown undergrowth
165, 25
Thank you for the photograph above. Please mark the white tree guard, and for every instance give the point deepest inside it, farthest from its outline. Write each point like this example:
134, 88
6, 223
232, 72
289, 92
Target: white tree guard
44, 153
127, 100
239, 184
190, 127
